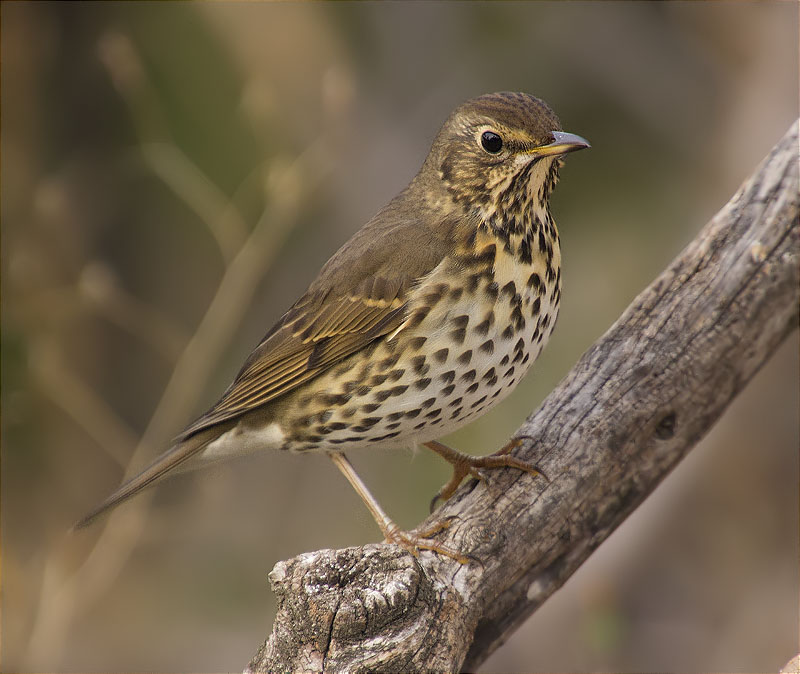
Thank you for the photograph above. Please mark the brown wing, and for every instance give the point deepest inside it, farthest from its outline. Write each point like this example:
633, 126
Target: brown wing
359, 296
318, 331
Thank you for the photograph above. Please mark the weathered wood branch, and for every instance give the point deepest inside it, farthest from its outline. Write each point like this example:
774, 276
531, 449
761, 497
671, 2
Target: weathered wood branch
633, 406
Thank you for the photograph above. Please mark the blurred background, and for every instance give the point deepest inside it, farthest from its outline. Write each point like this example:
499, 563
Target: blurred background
173, 176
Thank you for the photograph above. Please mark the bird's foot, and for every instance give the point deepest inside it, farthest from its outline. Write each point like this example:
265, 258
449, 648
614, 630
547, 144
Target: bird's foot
474, 466
414, 541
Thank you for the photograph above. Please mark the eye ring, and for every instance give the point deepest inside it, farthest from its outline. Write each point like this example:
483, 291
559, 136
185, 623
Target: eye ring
491, 142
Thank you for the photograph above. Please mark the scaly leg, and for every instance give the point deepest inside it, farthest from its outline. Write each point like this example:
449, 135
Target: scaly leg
413, 542
464, 464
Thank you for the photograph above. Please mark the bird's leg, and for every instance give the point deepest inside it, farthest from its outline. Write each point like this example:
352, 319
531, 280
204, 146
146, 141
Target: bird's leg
413, 542
464, 464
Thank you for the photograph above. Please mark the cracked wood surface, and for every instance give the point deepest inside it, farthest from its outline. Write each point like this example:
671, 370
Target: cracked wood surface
637, 401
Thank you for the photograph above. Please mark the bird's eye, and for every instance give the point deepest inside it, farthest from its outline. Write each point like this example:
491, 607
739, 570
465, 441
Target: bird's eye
491, 142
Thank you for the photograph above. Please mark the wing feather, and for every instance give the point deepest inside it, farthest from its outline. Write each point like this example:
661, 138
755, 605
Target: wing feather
360, 295
317, 332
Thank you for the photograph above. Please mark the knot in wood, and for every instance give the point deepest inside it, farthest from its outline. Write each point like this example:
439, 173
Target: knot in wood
345, 606
666, 427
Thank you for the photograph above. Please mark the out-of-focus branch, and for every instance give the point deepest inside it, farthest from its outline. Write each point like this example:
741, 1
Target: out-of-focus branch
80, 401
637, 401
167, 161
193, 187
287, 186
98, 288
64, 599
97, 293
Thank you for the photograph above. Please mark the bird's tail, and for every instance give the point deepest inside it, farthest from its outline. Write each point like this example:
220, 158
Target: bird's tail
162, 465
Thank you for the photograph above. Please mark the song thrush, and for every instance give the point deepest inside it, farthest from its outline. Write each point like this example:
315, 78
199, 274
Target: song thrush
425, 319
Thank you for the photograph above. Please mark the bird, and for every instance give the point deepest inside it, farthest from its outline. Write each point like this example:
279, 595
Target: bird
426, 318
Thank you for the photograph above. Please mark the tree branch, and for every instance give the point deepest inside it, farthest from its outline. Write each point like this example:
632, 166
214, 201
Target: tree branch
637, 401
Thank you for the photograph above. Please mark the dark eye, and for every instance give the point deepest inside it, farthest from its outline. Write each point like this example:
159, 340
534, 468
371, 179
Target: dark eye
491, 142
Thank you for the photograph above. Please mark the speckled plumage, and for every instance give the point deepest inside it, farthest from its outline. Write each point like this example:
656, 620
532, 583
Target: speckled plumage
426, 318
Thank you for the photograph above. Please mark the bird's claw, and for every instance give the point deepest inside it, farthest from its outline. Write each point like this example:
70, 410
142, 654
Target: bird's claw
414, 541
476, 466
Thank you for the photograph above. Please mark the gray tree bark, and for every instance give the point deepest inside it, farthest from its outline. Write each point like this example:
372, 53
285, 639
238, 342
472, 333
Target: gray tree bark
637, 401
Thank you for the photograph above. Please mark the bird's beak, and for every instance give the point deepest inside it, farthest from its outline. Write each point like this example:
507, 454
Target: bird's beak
562, 143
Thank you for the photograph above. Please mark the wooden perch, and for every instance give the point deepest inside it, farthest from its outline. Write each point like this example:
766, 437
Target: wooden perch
627, 413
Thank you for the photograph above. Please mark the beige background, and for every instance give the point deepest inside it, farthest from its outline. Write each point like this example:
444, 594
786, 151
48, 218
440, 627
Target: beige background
129, 129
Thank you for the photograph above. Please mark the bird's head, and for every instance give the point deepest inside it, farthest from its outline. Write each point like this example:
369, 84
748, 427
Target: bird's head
499, 152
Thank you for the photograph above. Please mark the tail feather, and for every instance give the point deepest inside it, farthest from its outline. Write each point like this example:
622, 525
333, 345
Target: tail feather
165, 463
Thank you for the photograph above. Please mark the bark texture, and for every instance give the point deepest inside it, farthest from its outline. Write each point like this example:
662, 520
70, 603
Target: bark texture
637, 401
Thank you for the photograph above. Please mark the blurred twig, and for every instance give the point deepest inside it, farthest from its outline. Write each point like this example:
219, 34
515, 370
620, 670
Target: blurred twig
193, 187
96, 293
87, 409
167, 161
63, 600
65, 596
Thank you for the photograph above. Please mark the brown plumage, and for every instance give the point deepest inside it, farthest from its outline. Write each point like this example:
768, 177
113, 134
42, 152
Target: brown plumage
425, 318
